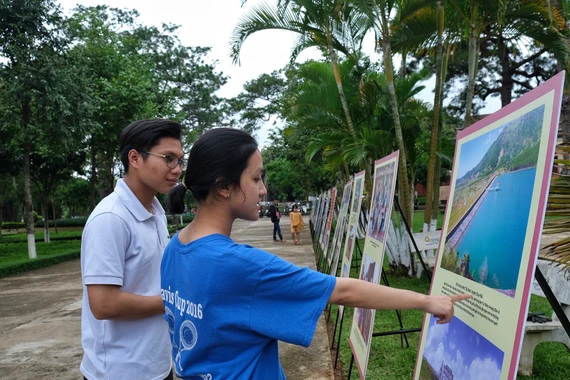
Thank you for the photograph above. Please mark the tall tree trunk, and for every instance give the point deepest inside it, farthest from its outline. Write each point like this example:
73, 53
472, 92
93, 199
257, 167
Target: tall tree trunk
404, 190
54, 216
403, 66
472, 67
403, 180
28, 207
106, 179
45, 206
338, 79
506, 90
93, 178
437, 182
431, 200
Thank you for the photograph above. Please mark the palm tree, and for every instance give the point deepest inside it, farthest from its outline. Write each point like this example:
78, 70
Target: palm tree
313, 108
325, 24
473, 16
379, 14
423, 28
421, 20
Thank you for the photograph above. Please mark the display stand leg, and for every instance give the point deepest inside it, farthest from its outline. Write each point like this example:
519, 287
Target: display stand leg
339, 337
334, 331
399, 315
552, 300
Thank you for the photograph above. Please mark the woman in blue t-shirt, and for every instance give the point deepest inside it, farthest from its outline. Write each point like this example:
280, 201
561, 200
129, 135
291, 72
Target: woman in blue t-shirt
228, 304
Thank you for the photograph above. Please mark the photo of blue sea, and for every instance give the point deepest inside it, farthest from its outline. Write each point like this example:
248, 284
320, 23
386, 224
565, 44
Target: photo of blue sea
490, 207
494, 239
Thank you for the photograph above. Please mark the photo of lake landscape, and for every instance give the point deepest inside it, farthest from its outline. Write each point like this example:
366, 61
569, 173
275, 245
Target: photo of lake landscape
489, 213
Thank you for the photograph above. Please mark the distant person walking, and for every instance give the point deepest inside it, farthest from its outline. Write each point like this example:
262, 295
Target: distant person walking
296, 224
275, 216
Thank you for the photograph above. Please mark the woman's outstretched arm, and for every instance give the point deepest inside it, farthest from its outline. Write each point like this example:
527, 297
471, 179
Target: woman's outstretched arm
363, 294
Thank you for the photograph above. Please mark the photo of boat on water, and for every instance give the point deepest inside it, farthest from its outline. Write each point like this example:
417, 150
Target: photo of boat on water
456, 351
489, 213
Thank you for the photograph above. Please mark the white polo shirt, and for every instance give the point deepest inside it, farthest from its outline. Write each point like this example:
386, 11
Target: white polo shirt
122, 244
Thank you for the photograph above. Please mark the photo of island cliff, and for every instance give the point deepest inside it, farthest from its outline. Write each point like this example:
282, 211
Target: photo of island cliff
490, 208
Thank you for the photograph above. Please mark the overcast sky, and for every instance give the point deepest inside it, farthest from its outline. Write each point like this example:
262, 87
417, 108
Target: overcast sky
211, 22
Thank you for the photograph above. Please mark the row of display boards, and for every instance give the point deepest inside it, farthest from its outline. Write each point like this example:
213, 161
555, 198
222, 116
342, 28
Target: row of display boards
488, 245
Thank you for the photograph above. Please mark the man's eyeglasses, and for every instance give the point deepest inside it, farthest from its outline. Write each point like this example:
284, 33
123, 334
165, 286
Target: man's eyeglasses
171, 161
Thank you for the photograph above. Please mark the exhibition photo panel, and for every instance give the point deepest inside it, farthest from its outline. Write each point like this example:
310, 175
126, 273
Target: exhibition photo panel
353, 219
490, 238
381, 200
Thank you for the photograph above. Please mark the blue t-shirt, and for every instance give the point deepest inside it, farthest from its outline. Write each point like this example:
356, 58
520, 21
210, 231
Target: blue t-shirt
228, 304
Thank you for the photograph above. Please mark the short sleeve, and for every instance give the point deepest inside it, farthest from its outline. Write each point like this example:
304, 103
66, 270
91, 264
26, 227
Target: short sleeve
288, 302
103, 249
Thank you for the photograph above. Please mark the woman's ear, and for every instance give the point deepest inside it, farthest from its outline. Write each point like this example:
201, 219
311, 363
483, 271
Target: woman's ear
224, 192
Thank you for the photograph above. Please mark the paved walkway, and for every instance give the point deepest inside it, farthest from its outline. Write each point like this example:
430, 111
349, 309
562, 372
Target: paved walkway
40, 314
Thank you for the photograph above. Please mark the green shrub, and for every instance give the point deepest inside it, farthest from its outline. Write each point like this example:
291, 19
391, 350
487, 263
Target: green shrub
14, 256
13, 225
68, 222
39, 262
39, 236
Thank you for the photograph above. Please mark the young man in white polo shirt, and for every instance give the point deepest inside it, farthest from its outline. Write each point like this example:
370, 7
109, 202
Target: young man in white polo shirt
124, 334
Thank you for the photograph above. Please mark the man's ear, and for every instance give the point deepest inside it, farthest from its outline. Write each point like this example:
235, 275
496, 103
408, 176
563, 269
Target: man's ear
135, 158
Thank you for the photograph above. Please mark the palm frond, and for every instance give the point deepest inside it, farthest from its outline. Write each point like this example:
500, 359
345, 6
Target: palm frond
558, 205
262, 17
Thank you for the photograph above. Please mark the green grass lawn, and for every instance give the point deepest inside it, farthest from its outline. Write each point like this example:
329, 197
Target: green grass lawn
65, 245
418, 222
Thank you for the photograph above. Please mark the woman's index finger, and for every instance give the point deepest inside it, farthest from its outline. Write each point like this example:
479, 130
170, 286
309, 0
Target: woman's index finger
460, 297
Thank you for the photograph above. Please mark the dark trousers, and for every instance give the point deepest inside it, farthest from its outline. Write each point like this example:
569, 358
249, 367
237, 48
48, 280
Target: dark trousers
277, 230
169, 377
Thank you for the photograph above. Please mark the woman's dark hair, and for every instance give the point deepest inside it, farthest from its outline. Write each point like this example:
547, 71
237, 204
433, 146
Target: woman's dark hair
143, 135
216, 161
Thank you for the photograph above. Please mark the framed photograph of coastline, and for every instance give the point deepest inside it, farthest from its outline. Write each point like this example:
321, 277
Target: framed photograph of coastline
490, 238
384, 184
